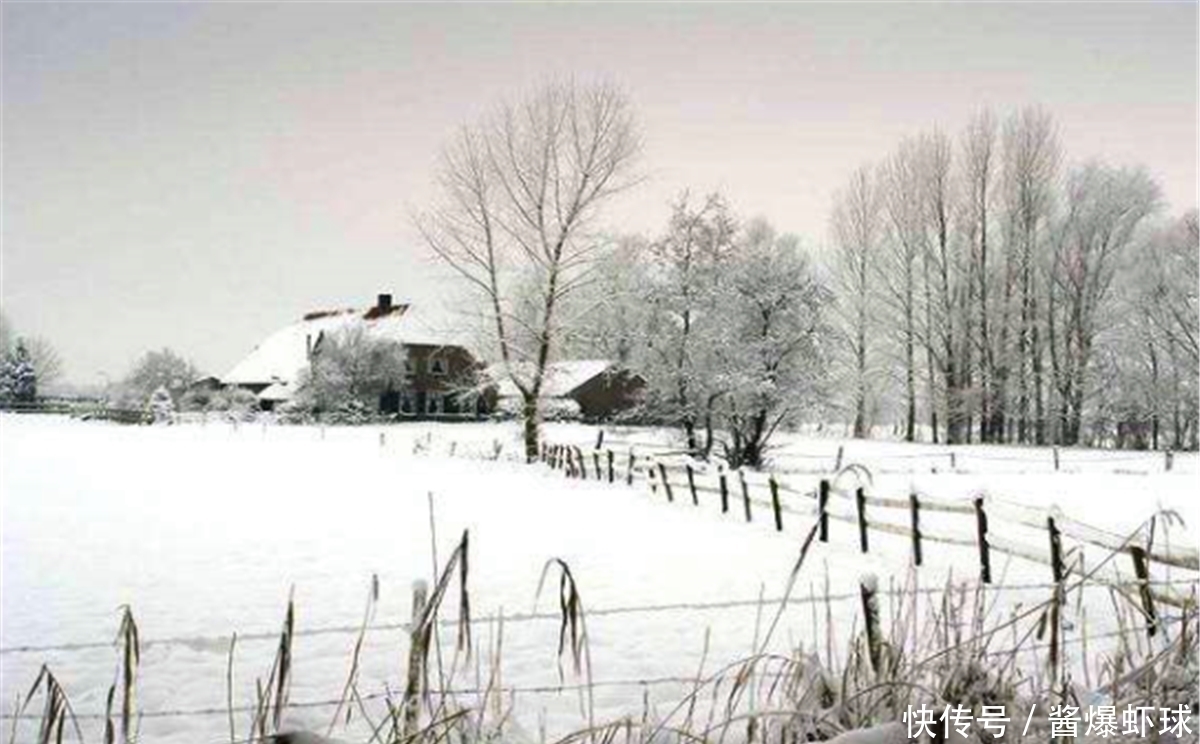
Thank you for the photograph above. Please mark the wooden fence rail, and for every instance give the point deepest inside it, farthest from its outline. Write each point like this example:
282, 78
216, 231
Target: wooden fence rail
697, 478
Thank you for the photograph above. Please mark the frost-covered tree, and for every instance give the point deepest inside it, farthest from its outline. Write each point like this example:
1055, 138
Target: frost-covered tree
153, 370
1104, 206
520, 196
607, 316
774, 356
47, 364
161, 405
1148, 364
8, 337
350, 369
857, 229
18, 378
686, 274
898, 270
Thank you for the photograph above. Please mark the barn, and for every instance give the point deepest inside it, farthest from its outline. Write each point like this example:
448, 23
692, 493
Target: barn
600, 388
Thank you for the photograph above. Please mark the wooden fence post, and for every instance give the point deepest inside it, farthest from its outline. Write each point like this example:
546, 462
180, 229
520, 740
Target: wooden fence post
775, 507
915, 506
985, 552
1056, 561
1142, 569
610, 466
823, 511
953, 461
868, 589
629, 471
837, 466
691, 476
416, 657
724, 489
596, 463
600, 438
582, 463
860, 498
1170, 460
745, 493
1056, 459
662, 470
650, 478
1056, 570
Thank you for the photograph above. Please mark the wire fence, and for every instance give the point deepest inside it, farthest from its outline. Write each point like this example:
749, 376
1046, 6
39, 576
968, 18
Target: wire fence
562, 686
592, 612
681, 478
943, 458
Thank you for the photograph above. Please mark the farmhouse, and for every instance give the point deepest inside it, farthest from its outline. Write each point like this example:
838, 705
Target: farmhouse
600, 388
435, 367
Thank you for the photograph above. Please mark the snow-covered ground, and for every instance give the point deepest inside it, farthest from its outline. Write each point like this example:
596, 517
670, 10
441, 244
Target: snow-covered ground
204, 530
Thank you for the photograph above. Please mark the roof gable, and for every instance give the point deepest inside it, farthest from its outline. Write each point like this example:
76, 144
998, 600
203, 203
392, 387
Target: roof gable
561, 379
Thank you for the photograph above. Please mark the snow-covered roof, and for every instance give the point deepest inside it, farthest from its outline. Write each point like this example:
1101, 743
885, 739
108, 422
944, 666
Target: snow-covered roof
281, 356
276, 391
562, 378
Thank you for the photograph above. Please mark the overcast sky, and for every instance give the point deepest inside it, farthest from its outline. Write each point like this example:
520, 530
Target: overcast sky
196, 176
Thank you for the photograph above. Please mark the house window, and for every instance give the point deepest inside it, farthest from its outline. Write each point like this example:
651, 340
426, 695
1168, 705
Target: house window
410, 368
435, 404
437, 366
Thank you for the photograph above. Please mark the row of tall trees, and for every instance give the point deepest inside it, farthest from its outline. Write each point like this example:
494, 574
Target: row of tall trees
988, 292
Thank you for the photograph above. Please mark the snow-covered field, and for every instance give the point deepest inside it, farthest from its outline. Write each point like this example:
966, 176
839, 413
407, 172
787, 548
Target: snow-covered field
204, 530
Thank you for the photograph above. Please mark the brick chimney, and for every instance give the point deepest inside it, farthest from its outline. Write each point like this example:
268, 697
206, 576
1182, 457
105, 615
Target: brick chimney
384, 304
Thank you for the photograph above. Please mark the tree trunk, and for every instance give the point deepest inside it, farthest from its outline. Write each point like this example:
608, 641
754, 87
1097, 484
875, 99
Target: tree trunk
532, 426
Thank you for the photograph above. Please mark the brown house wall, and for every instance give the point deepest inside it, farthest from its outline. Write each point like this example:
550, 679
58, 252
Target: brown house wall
460, 373
605, 395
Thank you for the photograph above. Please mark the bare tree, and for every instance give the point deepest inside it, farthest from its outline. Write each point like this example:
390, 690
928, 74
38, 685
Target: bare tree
1030, 161
774, 354
519, 193
903, 244
1104, 206
940, 275
979, 166
684, 271
46, 361
857, 226
1155, 360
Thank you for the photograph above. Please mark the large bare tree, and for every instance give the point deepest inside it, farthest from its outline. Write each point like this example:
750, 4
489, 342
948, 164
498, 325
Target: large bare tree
1104, 207
1031, 156
857, 226
898, 279
979, 159
519, 194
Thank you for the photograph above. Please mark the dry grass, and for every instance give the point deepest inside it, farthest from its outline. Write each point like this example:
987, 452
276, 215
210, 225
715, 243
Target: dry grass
950, 646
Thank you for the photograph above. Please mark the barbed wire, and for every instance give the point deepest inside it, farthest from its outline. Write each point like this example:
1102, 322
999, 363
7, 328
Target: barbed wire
894, 591
543, 689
